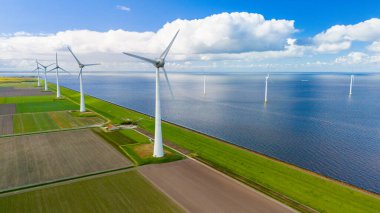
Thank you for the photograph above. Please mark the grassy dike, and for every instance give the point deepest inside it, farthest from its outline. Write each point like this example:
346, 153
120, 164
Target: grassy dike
296, 187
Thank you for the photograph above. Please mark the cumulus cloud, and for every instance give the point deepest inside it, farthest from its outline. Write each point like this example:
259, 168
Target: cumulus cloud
230, 33
374, 47
357, 58
221, 34
340, 37
123, 8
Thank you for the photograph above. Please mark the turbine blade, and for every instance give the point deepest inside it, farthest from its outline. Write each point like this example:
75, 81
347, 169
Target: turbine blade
74, 55
64, 70
50, 65
52, 69
56, 59
167, 81
165, 53
141, 58
86, 65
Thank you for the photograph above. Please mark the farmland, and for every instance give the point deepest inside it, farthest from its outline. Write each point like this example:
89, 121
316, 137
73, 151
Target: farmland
57, 159
37, 158
23, 91
6, 124
45, 121
124, 192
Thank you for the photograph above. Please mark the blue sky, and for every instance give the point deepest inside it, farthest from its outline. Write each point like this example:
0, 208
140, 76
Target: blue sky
37, 16
311, 18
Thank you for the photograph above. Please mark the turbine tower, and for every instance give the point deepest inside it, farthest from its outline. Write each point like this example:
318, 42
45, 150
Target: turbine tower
45, 78
351, 82
159, 63
266, 89
38, 74
81, 66
57, 68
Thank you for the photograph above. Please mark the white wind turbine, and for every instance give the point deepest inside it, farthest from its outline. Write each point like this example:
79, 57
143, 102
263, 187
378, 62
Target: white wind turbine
45, 78
38, 74
351, 82
158, 150
81, 66
57, 68
266, 89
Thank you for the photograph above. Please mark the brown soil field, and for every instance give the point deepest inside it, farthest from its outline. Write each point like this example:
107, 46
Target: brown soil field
6, 124
198, 188
10, 92
39, 158
7, 109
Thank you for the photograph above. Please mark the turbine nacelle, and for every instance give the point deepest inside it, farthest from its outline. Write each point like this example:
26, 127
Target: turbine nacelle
159, 63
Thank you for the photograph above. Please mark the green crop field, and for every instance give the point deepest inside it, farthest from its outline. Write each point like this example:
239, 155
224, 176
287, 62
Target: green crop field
36, 122
124, 192
25, 104
56, 105
267, 175
24, 123
136, 146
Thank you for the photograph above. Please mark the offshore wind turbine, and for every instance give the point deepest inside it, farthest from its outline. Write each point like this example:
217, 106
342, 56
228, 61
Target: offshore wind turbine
38, 74
266, 89
159, 63
57, 68
351, 82
81, 66
45, 78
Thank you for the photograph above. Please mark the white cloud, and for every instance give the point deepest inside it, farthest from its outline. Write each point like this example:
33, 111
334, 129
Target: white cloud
340, 37
358, 58
230, 35
374, 47
123, 8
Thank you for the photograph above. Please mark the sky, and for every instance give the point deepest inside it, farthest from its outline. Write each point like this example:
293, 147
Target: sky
215, 35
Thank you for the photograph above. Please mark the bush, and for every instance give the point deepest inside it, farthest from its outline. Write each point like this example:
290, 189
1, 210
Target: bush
129, 122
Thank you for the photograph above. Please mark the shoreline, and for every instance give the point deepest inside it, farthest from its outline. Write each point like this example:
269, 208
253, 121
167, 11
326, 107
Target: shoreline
372, 193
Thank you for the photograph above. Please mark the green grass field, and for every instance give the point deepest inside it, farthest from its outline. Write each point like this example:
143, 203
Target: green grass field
56, 105
136, 146
124, 192
28, 104
36, 122
267, 175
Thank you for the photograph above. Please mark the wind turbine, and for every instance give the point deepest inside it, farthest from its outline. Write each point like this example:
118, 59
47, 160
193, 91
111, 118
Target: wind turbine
45, 78
158, 150
81, 66
351, 82
266, 89
38, 74
57, 68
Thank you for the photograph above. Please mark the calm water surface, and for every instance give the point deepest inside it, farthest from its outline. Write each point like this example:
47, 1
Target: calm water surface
310, 120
